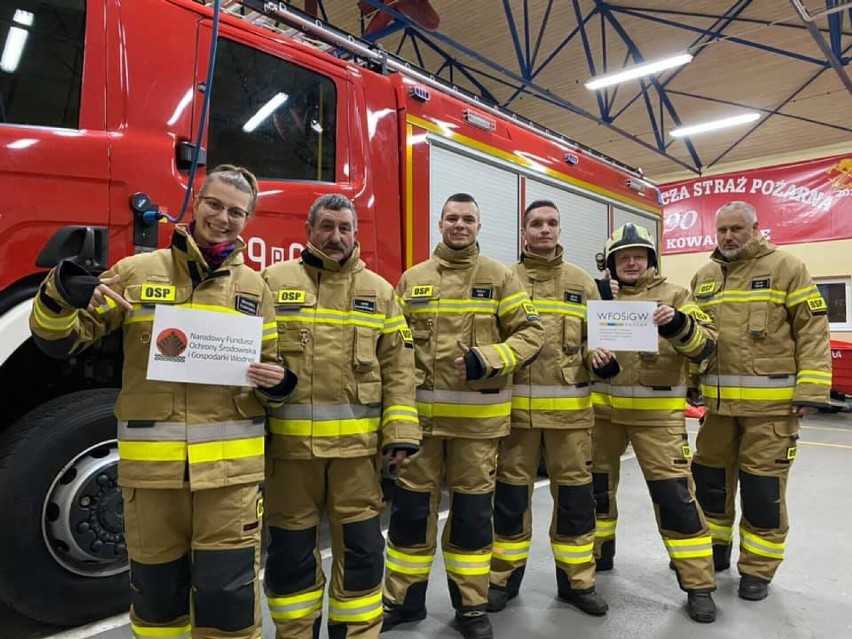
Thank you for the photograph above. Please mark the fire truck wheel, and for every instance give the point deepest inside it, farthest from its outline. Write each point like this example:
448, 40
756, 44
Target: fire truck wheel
62, 555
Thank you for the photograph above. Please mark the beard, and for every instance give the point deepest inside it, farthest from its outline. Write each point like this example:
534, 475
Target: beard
731, 254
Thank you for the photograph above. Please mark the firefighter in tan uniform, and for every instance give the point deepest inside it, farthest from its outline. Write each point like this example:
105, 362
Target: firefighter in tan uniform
341, 329
644, 405
551, 414
191, 456
773, 366
473, 326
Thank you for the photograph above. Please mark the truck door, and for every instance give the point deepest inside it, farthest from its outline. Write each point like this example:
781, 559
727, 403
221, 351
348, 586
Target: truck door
54, 169
279, 111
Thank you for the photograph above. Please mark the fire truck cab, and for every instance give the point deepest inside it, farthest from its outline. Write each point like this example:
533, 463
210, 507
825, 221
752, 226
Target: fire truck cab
100, 108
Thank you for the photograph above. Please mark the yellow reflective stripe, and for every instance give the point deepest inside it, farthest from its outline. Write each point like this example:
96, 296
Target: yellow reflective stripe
813, 377
295, 606
356, 319
222, 450
639, 403
408, 564
460, 564
325, 428
508, 357
580, 554
483, 411
509, 304
751, 394
151, 632
270, 331
758, 546
399, 412
724, 533
59, 323
800, 295
353, 610
511, 550
689, 548
107, 306
551, 403
744, 297
605, 528
394, 324
152, 451
556, 307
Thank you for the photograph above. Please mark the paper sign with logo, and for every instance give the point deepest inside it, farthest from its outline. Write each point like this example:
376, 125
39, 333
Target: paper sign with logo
622, 326
203, 347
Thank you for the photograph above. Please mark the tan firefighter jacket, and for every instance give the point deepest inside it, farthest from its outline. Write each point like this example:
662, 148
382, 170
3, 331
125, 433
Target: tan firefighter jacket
462, 295
163, 427
340, 328
554, 391
650, 389
773, 347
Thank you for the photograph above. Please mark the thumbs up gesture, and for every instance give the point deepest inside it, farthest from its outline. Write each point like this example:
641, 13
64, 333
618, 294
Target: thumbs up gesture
613, 283
461, 367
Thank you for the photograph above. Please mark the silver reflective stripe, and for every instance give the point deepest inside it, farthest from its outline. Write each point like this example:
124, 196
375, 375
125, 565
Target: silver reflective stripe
463, 397
159, 432
222, 431
750, 381
325, 412
525, 390
353, 612
638, 391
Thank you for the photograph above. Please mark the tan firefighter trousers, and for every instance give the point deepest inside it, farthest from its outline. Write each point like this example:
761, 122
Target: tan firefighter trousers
468, 467
568, 456
757, 452
298, 492
194, 559
663, 454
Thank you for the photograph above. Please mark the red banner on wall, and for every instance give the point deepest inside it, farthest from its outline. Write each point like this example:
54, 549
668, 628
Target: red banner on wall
803, 202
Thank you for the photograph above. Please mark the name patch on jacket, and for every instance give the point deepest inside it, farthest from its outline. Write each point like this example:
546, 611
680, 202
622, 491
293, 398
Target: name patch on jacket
531, 311
706, 289
246, 305
760, 284
573, 298
817, 306
481, 293
291, 296
158, 293
365, 306
422, 291
407, 337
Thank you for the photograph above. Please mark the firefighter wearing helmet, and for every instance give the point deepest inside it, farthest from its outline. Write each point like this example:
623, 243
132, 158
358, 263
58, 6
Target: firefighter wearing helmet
643, 404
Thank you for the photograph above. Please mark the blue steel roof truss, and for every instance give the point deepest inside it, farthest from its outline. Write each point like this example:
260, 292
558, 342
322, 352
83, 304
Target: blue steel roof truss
527, 45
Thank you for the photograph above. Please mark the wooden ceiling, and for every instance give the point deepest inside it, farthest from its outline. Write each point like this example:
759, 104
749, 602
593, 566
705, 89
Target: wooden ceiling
803, 102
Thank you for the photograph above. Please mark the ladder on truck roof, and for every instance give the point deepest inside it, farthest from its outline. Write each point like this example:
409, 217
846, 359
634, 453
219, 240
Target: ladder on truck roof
276, 16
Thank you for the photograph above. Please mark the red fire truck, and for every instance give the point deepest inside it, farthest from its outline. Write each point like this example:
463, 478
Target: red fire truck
100, 110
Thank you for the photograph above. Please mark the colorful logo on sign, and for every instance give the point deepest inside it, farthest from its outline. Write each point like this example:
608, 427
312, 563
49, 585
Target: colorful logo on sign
171, 343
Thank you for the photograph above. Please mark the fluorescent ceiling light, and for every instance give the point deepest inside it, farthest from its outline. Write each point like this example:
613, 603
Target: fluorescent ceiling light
265, 111
631, 73
15, 41
724, 123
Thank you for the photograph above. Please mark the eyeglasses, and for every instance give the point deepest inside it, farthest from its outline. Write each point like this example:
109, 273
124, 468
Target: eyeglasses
235, 213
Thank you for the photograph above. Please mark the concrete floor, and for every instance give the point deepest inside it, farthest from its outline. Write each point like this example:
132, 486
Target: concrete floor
811, 596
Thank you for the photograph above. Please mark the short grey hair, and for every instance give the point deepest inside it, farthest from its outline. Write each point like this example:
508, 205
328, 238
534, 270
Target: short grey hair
747, 209
332, 202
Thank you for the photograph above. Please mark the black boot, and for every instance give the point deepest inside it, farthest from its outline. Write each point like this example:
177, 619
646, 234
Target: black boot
588, 601
753, 588
395, 615
604, 564
474, 625
700, 606
605, 561
498, 598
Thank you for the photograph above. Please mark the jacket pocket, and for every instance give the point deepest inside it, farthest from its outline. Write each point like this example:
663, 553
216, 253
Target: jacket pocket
248, 405
155, 407
485, 330
779, 365
757, 319
290, 338
666, 369
364, 349
572, 334
369, 393
573, 375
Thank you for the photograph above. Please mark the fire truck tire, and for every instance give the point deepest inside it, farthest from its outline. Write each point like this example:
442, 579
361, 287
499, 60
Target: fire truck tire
62, 554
